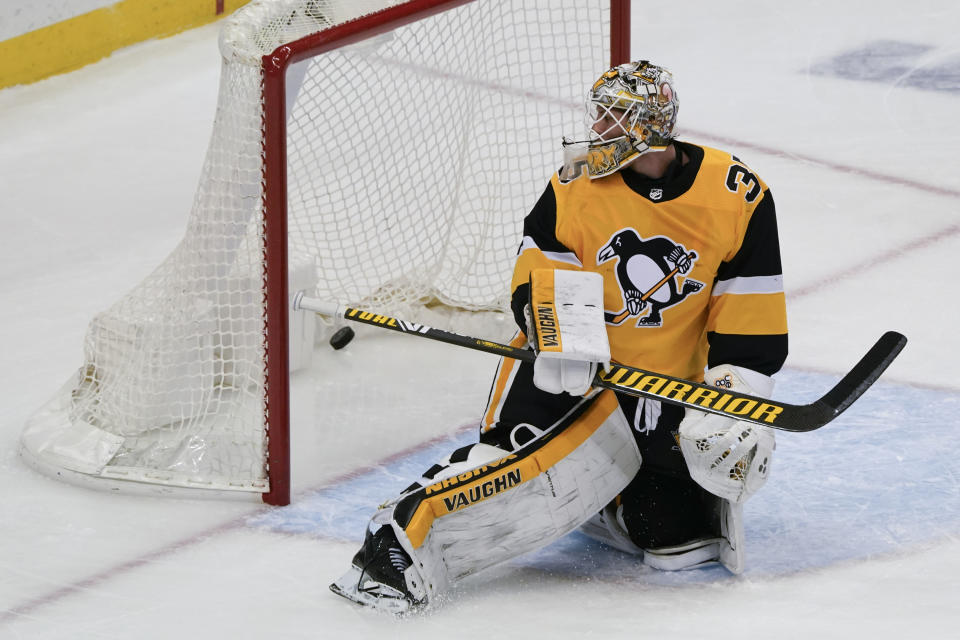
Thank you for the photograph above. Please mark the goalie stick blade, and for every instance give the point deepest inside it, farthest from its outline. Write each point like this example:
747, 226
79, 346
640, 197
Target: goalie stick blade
810, 417
856, 382
865, 372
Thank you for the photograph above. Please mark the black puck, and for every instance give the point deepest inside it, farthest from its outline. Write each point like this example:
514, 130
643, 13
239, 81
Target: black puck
341, 337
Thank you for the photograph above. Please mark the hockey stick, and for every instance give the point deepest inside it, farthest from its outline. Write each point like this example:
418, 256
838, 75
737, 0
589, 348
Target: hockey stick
659, 386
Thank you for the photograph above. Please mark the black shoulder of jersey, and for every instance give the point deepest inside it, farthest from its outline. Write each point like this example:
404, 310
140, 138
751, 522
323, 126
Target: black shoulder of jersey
541, 223
759, 255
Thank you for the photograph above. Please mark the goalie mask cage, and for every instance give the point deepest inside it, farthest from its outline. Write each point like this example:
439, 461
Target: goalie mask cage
375, 153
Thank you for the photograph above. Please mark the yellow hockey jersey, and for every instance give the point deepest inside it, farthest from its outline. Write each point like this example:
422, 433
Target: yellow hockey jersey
691, 262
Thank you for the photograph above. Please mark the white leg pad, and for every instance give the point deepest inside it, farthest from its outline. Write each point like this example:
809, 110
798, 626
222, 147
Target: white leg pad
534, 496
732, 554
686, 556
728, 550
607, 528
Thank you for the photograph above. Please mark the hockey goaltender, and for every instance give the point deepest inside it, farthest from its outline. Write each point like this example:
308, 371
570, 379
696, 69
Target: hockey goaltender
642, 250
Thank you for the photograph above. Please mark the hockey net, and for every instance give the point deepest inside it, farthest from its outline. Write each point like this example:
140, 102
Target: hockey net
374, 153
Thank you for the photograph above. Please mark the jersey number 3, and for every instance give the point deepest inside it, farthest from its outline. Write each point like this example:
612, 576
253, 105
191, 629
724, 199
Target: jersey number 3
737, 175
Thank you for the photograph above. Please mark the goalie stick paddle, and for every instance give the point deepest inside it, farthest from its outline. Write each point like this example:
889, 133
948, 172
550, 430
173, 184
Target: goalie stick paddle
649, 384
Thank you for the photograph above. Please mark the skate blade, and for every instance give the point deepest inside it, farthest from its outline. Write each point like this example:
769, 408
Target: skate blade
374, 595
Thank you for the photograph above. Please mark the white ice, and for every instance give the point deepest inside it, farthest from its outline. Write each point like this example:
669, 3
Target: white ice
855, 535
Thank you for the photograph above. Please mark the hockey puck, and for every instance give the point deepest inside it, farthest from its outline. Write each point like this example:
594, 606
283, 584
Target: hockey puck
341, 337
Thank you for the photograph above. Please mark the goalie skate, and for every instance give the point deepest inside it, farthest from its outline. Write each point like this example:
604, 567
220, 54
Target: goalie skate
361, 589
381, 576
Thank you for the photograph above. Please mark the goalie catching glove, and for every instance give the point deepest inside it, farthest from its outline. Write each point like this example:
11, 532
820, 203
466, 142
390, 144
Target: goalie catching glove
566, 328
725, 456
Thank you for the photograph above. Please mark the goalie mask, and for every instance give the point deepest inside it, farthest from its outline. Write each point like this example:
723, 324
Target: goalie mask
631, 109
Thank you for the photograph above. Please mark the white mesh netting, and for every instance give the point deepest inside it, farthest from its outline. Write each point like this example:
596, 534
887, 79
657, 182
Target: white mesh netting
412, 158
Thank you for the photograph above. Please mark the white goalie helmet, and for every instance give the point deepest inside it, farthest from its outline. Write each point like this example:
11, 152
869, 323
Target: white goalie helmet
631, 110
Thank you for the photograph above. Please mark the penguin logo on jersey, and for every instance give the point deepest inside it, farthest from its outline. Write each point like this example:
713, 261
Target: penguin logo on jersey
647, 272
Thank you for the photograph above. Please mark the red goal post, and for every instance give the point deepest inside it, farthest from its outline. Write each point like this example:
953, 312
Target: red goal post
418, 133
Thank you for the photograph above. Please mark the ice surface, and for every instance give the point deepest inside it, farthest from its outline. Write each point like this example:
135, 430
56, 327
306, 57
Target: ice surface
848, 111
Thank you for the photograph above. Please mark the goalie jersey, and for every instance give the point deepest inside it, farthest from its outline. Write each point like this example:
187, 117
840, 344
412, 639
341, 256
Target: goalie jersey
690, 262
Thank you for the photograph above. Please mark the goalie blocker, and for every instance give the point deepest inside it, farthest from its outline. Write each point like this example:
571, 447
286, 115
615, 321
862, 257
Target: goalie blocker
566, 329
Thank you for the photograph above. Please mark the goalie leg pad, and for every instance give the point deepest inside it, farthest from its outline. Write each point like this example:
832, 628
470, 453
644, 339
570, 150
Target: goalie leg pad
682, 557
520, 501
728, 549
732, 547
607, 528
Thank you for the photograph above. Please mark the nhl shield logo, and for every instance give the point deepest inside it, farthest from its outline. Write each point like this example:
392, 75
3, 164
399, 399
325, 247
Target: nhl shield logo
656, 194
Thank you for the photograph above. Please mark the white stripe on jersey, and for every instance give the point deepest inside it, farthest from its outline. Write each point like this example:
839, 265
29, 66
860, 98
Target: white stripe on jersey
753, 284
567, 256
